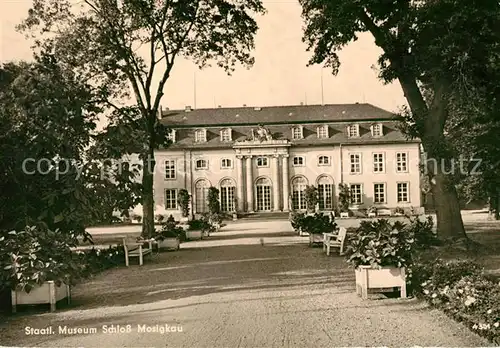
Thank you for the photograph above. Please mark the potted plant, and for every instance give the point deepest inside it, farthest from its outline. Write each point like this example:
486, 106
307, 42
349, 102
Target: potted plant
183, 200
296, 219
317, 224
380, 252
170, 234
344, 200
311, 197
38, 265
198, 228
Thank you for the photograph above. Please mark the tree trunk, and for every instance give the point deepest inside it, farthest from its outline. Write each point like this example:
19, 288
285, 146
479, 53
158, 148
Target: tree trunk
148, 222
449, 218
497, 206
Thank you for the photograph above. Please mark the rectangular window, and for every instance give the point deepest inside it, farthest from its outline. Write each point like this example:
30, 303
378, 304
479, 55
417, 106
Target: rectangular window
226, 163
298, 161
201, 164
355, 159
379, 193
170, 199
401, 162
297, 133
169, 169
200, 136
225, 134
353, 131
356, 194
262, 162
377, 130
322, 132
403, 192
323, 160
378, 163
325, 196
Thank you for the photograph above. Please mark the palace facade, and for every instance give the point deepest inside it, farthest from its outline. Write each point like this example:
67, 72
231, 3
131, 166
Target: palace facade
261, 159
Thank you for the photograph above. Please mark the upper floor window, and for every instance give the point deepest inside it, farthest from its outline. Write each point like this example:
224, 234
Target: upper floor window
262, 162
377, 130
226, 163
323, 160
355, 159
298, 161
297, 132
225, 134
171, 135
322, 132
401, 162
378, 163
201, 164
353, 131
169, 169
200, 135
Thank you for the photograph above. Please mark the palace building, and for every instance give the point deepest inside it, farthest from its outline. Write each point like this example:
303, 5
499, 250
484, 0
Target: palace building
262, 158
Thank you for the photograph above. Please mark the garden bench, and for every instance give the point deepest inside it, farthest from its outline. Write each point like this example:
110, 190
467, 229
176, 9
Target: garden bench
334, 240
133, 248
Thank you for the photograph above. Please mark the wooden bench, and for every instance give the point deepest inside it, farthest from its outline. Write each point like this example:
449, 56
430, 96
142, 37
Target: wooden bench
133, 248
334, 240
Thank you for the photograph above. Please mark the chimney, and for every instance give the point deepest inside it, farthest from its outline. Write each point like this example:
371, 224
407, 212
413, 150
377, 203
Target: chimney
219, 106
244, 105
301, 103
188, 108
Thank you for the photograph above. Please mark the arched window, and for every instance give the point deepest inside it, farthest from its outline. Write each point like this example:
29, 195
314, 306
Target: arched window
298, 193
325, 193
201, 195
227, 188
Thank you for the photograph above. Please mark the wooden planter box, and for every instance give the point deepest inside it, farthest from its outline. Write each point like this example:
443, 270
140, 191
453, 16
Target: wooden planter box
48, 292
194, 235
344, 215
303, 234
383, 278
235, 217
315, 238
169, 243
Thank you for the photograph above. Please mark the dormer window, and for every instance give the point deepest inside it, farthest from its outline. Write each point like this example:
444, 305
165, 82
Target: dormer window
353, 131
297, 133
171, 135
225, 134
322, 132
377, 130
200, 135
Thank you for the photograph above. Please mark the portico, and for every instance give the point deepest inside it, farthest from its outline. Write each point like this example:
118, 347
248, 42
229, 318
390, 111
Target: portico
262, 169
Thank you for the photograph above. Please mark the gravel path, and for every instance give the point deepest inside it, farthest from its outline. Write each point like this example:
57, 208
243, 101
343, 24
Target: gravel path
242, 294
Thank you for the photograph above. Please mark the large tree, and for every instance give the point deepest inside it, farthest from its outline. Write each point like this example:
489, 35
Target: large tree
122, 45
47, 118
434, 48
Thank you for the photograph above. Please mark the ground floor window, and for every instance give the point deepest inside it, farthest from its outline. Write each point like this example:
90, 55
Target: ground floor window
170, 199
201, 195
379, 193
356, 194
325, 193
227, 189
403, 195
298, 193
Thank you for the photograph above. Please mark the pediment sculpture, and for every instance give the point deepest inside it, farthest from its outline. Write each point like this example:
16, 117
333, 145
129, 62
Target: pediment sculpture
261, 133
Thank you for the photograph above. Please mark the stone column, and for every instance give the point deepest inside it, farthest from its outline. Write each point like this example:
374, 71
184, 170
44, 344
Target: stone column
286, 184
276, 183
239, 185
249, 186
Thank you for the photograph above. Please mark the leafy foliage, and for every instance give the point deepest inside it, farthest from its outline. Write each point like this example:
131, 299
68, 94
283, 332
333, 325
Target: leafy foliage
170, 229
311, 197
380, 243
344, 198
317, 224
296, 219
37, 254
213, 200
183, 200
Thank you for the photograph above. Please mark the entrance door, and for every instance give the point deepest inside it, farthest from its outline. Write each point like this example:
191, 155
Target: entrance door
263, 191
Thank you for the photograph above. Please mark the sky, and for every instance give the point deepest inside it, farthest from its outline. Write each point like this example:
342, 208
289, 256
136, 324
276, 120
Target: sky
280, 75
